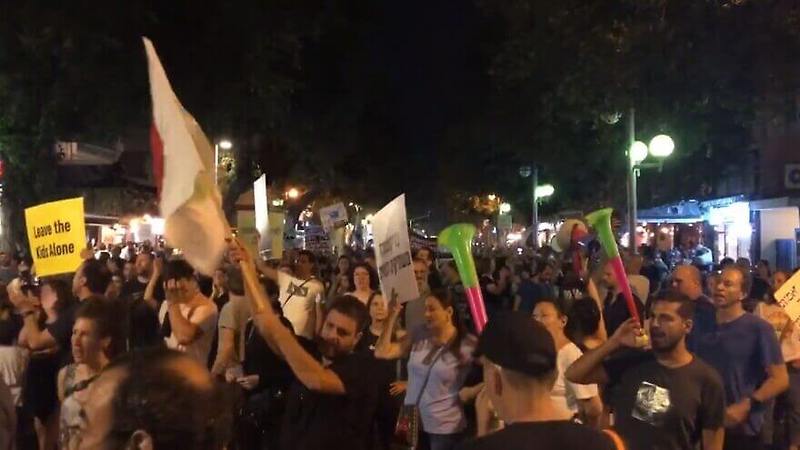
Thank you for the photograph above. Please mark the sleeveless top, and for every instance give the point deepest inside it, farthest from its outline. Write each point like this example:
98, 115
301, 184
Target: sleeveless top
70, 420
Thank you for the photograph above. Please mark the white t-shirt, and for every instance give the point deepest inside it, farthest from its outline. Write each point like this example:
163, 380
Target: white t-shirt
202, 312
565, 393
299, 300
13, 362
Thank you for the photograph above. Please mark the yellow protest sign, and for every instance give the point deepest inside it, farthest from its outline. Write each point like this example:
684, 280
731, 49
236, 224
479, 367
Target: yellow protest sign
57, 234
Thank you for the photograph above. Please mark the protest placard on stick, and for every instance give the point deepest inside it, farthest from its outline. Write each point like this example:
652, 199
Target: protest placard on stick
57, 235
393, 251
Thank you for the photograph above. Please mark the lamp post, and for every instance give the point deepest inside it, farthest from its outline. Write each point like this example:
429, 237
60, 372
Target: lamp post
661, 146
537, 192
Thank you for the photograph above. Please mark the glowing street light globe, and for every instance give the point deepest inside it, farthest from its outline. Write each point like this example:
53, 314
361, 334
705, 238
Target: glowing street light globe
545, 190
225, 144
661, 146
638, 152
293, 193
505, 208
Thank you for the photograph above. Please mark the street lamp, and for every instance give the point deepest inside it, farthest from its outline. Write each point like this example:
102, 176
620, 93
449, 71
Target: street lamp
661, 146
224, 145
545, 190
293, 193
538, 192
505, 208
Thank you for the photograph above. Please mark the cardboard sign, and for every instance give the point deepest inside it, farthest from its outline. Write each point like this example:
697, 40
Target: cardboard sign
393, 251
333, 216
317, 241
788, 296
262, 213
277, 222
246, 231
57, 235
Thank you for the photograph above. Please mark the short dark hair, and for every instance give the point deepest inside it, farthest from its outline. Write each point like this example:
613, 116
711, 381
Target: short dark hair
177, 411
557, 304
235, 279
178, 269
686, 305
352, 308
312, 258
747, 279
97, 275
584, 319
105, 315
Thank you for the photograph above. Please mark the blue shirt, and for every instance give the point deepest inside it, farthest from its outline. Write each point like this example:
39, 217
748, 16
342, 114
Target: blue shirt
741, 351
703, 323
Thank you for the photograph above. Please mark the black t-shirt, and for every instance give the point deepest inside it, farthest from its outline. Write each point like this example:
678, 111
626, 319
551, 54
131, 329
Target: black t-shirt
656, 407
61, 330
273, 372
142, 329
386, 371
554, 435
316, 421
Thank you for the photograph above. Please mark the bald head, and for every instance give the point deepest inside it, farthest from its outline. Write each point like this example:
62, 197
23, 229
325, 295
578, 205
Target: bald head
687, 280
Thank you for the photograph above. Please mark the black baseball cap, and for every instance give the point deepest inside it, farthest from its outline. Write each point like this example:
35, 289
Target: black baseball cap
515, 341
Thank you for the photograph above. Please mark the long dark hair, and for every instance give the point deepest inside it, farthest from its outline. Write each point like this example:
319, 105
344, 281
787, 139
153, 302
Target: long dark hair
444, 298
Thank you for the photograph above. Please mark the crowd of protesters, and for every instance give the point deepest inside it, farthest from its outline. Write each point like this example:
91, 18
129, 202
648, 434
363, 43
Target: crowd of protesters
138, 350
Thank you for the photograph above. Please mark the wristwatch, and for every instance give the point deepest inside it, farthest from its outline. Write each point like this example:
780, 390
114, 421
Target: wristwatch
753, 402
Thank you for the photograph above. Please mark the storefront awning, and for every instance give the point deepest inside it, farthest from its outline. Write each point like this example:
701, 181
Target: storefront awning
681, 212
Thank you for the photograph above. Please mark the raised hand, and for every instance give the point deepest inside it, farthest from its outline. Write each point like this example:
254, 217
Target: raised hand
629, 334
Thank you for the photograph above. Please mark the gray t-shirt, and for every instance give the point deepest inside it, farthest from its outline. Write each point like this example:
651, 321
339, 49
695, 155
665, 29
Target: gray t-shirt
440, 408
234, 316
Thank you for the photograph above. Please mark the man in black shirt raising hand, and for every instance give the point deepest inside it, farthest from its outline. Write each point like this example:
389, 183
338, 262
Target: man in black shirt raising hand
665, 399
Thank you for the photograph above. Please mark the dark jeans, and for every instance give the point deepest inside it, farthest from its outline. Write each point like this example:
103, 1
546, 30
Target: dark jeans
742, 442
430, 441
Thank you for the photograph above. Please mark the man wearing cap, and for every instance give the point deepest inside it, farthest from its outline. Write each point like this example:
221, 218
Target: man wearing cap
665, 399
519, 369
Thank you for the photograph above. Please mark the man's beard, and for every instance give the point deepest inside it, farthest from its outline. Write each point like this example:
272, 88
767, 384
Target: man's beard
666, 346
328, 350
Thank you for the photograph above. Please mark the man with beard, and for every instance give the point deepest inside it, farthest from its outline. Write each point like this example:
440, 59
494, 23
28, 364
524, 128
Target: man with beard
664, 399
332, 400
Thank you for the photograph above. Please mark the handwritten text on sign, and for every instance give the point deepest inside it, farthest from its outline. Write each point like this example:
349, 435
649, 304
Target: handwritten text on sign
788, 296
57, 233
393, 255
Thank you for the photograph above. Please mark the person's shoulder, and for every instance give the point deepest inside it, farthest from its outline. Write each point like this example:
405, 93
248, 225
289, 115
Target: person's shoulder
570, 352
759, 324
705, 372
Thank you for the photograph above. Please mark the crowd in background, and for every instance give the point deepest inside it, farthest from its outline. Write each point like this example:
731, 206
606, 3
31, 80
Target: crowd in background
357, 361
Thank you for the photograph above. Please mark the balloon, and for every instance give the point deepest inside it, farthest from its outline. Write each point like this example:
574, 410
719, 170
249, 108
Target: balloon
600, 220
458, 239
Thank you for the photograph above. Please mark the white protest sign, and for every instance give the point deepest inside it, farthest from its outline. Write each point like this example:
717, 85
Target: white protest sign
262, 213
788, 296
333, 216
393, 251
